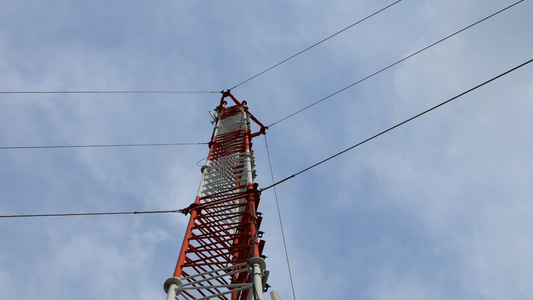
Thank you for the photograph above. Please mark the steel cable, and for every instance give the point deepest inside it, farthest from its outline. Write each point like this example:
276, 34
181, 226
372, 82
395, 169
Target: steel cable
183, 211
98, 146
397, 125
316, 44
280, 220
393, 64
108, 92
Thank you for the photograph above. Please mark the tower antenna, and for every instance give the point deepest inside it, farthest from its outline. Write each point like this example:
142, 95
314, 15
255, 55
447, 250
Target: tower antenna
221, 255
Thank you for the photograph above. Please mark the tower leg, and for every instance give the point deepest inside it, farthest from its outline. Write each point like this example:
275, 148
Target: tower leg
171, 295
258, 266
274, 295
171, 286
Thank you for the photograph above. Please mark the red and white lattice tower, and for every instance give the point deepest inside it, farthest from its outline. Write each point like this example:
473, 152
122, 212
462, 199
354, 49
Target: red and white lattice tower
220, 257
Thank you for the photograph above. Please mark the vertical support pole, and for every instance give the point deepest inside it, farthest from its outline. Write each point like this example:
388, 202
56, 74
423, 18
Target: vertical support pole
185, 244
171, 293
274, 295
258, 282
171, 286
257, 265
194, 213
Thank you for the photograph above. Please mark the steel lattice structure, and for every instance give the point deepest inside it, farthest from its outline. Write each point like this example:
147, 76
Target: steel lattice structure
220, 257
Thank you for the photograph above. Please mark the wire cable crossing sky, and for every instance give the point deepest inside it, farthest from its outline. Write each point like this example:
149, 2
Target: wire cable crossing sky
100, 146
280, 221
108, 92
393, 64
314, 45
183, 211
396, 126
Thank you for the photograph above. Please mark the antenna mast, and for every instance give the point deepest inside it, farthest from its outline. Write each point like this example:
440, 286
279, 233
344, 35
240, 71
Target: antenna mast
221, 254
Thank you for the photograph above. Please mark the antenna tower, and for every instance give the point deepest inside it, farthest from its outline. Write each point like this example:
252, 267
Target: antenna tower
221, 254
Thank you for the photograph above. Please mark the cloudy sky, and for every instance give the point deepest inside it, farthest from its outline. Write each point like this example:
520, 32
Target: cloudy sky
439, 208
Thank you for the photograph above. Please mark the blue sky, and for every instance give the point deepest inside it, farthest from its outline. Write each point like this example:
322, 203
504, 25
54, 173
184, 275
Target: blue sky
439, 208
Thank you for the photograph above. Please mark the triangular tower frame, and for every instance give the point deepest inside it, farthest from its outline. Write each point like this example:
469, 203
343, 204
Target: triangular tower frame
221, 254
